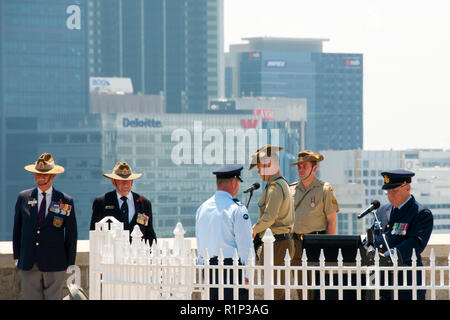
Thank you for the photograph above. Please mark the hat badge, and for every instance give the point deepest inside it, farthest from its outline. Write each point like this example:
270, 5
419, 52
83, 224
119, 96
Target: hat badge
386, 179
40, 165
125, 172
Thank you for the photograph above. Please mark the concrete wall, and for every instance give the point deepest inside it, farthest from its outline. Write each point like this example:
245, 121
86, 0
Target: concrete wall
10, 278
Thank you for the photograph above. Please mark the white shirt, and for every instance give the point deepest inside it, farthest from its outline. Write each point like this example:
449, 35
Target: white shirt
48, 198
130, 202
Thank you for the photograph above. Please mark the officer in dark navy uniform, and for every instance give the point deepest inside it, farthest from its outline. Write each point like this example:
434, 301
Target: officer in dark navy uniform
406, 226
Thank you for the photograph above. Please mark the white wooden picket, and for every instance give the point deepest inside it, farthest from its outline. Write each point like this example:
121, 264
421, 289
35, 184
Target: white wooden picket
170, 270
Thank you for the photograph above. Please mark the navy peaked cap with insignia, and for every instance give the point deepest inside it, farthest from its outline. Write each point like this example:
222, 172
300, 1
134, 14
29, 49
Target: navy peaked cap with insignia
230, 171
396, 178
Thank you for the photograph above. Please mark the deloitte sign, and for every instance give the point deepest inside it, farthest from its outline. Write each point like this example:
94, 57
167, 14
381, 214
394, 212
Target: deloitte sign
137, 123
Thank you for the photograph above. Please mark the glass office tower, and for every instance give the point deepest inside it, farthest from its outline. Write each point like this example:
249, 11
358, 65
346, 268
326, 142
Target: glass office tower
297, 68
43, 58
43, 73
170, 47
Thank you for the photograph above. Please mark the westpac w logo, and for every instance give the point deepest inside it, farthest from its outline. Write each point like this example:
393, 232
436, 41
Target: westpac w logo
249, 123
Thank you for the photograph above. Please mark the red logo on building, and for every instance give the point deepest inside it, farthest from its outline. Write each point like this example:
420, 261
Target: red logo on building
249, 123
265, 114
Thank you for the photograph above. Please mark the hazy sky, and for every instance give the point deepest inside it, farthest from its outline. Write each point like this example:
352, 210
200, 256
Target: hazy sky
406, 52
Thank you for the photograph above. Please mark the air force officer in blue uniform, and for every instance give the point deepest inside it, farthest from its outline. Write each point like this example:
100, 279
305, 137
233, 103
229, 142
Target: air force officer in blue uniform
406, 224
222, 222
44, 234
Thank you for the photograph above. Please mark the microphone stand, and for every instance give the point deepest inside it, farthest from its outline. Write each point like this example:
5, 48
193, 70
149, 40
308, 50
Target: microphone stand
377, 228
257, 242
248, 202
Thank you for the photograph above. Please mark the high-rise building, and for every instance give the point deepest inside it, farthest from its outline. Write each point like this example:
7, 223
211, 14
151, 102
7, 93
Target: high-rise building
170, 47
43, 57
298, 68
43, 73
430, 186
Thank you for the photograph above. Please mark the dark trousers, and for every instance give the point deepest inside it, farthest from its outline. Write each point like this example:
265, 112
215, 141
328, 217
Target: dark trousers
227, 292
402, 294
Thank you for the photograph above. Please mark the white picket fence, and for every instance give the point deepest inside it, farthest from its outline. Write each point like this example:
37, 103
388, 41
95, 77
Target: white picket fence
123, 271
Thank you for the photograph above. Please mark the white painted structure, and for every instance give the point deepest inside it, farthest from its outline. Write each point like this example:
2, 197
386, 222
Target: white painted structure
120, 270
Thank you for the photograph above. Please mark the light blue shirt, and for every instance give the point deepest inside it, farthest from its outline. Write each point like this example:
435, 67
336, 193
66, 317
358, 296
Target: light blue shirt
404, 203
130, 203
223, 223
48, 198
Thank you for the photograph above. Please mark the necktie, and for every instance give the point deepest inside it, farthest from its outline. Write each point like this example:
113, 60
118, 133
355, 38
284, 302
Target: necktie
42, 208
124, 209
393, 216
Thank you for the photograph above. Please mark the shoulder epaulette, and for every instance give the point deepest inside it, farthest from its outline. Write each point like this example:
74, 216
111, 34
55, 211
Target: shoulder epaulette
273, 184
236, 200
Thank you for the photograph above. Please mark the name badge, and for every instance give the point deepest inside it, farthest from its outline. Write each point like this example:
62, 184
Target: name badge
109, 207
32, 202
142, 219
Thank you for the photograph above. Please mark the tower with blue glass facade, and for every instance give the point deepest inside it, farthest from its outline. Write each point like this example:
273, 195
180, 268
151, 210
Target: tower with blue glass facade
332, 83
48, 51
43, 75
169, 47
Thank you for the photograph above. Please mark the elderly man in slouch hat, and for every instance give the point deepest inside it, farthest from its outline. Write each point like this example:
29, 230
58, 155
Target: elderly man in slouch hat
45, 233
123, 204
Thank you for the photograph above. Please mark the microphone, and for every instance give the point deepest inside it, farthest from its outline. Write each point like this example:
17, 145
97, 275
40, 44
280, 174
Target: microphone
374, 205
255, 186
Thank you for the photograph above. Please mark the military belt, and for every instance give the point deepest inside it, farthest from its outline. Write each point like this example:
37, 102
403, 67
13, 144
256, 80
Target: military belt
282, 236
299, 236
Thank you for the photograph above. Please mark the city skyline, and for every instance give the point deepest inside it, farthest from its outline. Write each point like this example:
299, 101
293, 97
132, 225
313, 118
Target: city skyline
405, 58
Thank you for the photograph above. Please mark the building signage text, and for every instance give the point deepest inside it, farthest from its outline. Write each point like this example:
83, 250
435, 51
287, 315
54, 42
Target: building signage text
352, 62
138, 123
265, 114
276, 64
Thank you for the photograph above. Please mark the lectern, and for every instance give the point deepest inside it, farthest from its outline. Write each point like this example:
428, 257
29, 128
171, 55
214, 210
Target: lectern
330, 244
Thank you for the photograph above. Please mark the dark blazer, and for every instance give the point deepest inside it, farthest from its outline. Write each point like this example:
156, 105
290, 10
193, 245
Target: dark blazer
108, 205
52, 248
408, 229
